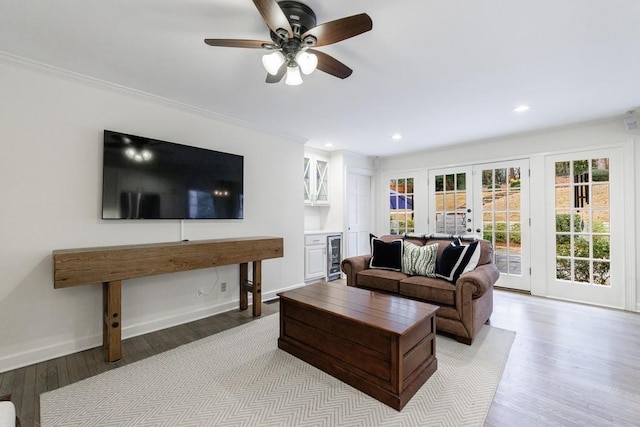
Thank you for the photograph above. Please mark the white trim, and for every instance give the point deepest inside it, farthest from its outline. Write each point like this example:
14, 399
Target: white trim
20, 62
629, 220
50, 352
612, 296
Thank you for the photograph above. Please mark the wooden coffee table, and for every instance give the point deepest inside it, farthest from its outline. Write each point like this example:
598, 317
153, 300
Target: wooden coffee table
381, 344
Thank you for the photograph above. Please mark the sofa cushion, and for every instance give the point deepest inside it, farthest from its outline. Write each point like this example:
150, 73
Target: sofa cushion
456, 259
386, 255
428, 289
419, 260
381, 280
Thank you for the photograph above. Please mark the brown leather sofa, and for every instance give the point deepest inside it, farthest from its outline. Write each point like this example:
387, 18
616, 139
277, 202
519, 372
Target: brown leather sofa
464, 306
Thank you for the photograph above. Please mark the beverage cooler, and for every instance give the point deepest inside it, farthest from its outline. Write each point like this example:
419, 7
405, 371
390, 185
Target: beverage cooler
334, 256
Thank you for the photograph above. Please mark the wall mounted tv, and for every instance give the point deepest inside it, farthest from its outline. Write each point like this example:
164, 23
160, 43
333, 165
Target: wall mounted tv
145, 178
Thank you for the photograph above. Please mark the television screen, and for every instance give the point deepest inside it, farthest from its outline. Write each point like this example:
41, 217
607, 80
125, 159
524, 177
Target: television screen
145, 178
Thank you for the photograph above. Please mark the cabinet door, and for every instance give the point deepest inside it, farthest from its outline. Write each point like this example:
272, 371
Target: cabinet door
315, 258
308, 189
316, 181
321, 181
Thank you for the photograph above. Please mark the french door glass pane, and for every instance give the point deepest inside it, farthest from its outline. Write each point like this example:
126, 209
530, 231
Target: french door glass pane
582, 206
401, 198
451, 203
501, 214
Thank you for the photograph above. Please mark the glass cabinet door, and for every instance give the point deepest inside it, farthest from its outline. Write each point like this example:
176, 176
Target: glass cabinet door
307, 180
316, 181
321, 182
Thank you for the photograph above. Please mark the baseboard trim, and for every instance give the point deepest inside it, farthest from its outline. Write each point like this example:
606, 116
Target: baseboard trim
41, 354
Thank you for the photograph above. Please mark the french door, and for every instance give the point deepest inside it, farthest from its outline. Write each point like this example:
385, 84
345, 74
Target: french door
489, 201
586, 263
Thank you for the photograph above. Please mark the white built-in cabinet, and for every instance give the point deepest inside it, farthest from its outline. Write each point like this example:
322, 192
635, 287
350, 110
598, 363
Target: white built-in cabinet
316, 180
315, 257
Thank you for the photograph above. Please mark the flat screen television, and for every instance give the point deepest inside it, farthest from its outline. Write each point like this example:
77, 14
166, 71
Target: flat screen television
145, 178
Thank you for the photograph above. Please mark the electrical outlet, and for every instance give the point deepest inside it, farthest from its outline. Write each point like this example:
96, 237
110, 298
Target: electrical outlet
223, 287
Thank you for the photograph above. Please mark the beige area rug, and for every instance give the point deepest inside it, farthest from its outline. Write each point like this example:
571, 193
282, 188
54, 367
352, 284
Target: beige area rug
240, 378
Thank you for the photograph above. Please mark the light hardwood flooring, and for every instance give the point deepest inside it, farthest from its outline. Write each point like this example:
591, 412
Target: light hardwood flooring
570, 364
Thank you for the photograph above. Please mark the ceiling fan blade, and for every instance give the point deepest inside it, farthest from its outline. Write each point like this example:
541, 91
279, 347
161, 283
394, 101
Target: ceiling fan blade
251, 44
340, 29
281, 72
330, 65
273, 16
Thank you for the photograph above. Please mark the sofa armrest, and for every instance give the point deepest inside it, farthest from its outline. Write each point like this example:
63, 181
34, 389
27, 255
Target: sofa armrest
479, 280
352, 265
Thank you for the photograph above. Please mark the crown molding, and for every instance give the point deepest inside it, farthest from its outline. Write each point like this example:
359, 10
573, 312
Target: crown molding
25, 63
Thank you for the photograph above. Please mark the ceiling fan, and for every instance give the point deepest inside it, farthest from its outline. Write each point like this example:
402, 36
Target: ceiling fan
294, 36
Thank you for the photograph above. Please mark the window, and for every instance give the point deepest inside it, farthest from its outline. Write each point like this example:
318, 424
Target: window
401, 206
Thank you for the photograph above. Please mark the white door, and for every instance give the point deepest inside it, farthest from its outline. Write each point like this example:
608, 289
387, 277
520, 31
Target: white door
359, 214
501, 200
489, 201
585, 230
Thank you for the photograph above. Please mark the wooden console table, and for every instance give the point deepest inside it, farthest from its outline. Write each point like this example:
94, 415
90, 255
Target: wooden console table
111, 265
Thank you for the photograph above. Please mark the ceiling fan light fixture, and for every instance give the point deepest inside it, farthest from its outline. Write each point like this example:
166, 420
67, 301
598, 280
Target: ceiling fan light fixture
273, 61
293, 75
307, 61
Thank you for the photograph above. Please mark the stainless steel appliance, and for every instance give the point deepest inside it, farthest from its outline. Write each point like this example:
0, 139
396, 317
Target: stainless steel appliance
334, 256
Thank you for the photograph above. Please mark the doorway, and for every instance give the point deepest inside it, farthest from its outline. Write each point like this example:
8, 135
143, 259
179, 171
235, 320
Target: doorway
489, 201
586, 263
358, 214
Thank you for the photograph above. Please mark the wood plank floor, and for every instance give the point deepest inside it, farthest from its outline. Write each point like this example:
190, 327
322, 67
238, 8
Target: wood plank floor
570, 364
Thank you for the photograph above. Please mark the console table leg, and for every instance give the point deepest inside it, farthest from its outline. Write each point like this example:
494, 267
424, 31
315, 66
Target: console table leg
255, 286
256, 290
112, 327
244, 278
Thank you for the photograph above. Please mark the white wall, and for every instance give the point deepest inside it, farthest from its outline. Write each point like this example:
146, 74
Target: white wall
534, 147
50, 198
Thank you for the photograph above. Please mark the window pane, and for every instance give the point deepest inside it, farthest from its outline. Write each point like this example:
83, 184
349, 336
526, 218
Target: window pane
600, 170
487, 179
461, 181
563, 199
409, 185
601, 247
582, 244
581, 271
563, 269
563, 171
601, 273
450, 182
600, 195
514, 177
439, 183
501, 178
580, 167
563, 245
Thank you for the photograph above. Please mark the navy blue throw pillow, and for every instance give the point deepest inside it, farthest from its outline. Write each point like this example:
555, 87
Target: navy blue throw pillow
386, 255
457, 259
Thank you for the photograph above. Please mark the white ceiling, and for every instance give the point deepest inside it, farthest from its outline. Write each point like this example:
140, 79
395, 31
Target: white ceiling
439, 72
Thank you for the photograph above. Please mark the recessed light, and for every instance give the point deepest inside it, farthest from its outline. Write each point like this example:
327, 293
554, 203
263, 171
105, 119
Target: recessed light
328, 144
521, 108
396, 136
